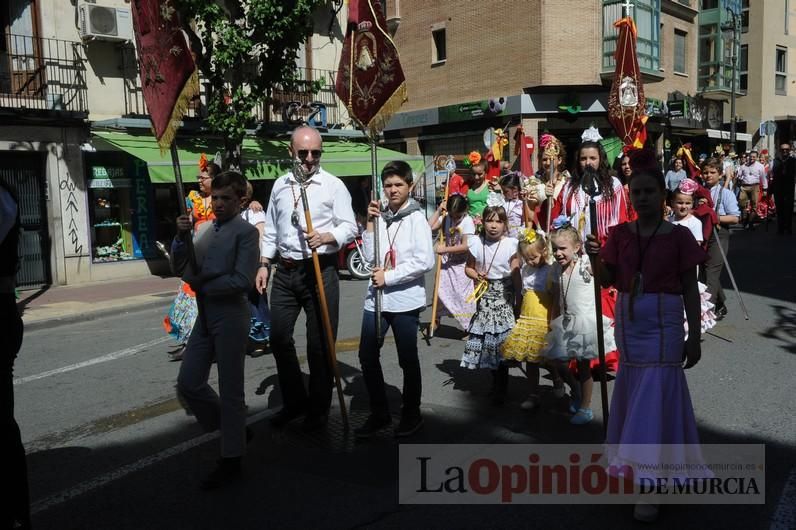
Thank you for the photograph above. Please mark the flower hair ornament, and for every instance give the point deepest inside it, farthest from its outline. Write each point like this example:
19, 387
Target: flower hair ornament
203, 162
474, 157
688, 186
562, 221
527, 235
592, 134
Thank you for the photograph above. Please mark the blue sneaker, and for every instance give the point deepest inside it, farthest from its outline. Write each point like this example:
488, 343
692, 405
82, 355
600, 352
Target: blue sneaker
257, 334
582, 417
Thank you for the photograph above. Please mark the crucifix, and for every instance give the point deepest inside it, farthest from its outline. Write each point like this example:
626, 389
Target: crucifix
627, 7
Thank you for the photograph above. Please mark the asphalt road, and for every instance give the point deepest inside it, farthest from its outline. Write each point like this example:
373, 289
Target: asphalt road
110, 447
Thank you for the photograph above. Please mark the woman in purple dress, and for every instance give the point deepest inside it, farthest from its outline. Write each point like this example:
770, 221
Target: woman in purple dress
652, 263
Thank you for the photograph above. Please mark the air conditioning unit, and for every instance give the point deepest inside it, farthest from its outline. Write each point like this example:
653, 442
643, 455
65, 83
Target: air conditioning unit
105, 23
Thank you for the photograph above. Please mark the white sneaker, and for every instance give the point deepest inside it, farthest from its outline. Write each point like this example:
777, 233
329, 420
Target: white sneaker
531, 403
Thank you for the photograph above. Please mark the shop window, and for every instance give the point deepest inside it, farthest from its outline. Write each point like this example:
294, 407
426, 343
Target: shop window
781, 72
646, 14
119, 213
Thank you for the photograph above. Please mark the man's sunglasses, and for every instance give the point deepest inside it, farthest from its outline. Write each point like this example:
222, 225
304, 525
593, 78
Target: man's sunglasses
316, 153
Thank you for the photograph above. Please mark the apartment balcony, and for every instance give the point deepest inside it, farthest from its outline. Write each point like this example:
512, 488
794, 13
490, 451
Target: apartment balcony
287, 107
42, 77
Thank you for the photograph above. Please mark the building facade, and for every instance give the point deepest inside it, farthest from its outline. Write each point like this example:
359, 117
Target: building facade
548, 66
92, 210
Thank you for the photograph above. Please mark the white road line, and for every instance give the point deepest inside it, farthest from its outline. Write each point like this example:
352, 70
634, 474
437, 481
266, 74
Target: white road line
102, 480
785, 515
127, 352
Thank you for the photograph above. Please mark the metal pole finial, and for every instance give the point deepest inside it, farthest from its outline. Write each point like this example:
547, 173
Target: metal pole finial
628, 7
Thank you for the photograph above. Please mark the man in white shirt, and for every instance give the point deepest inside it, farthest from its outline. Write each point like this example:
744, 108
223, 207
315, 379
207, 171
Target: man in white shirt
294, 286
750, 176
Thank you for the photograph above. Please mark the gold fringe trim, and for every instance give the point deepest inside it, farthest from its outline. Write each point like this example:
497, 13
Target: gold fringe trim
189, 91
390, 107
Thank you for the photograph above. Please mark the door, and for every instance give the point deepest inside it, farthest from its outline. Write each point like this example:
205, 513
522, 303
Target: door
21, 68
24, 172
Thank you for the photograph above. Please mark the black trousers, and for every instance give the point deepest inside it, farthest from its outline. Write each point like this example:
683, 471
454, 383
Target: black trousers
711, 271
16, 500
294, 289
783, 200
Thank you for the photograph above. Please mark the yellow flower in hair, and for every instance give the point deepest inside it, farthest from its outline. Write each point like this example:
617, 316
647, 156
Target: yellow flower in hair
527, 235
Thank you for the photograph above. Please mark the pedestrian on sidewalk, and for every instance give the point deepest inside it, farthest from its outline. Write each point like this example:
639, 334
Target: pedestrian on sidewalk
783, 172
406, 235
226, 264
16, 499
295, 287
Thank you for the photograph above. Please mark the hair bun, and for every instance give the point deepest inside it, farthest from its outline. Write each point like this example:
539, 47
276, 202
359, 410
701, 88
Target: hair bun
643, 160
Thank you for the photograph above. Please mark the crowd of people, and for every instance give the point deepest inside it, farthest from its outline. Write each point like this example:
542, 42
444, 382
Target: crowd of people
519, 257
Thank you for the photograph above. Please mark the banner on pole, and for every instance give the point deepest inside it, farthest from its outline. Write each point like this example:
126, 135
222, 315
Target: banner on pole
626, 102
169, 80
370, 80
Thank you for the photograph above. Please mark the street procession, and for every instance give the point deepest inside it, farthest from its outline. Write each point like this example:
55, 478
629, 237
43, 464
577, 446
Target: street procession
341, 263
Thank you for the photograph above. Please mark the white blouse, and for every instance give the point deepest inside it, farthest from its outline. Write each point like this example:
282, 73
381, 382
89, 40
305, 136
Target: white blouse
498, 253
535, 278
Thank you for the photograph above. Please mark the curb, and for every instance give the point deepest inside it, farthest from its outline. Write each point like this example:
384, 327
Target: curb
41, 323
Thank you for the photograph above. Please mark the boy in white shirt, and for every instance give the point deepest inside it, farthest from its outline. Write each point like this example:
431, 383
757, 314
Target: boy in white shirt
405, 240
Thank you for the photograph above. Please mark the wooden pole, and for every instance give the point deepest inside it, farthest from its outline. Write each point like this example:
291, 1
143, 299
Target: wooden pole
598, 311
438, 269
175, 162
327, 322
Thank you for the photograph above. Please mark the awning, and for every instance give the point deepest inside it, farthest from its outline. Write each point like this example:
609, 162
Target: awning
262, 159
725, 135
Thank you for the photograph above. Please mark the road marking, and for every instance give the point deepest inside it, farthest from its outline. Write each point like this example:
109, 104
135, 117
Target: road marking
127, 352
102, 480
785, 515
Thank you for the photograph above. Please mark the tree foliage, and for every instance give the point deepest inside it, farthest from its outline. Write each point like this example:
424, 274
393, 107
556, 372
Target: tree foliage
244, 49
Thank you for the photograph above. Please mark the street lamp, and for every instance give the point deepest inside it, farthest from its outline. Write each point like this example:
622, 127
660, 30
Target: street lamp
732, 27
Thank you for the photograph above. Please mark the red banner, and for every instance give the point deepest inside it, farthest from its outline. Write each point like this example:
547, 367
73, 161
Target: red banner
168, 73
626, 102
370, 80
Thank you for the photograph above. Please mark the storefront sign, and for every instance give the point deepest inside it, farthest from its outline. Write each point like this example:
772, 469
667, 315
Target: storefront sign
102, 172
677, 109
495, 106
656, 108
110, 183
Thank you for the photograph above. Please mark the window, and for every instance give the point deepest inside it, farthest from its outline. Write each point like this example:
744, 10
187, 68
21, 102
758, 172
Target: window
680, 51
781, 72
709, 4
743, 67
744, 16
438, 52
646, 15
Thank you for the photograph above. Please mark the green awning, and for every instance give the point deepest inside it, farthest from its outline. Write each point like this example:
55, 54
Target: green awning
262, 159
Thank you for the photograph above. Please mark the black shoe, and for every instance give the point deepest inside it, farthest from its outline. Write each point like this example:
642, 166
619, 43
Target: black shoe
314, 422
372, 425
721, 312
284, 416
410, 423
228, 470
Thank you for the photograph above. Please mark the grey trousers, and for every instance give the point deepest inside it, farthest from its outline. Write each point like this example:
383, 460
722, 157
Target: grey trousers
221, 333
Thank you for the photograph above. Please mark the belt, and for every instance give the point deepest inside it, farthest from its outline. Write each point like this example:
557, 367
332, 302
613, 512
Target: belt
290, 264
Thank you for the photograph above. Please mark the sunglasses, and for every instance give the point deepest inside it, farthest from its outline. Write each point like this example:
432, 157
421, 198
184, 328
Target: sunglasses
302, 153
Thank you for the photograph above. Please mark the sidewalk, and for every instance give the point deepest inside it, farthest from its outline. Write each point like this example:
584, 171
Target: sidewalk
63, 304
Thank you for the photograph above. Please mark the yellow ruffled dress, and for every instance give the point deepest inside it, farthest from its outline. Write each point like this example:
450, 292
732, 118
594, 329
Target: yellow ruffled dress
527, 338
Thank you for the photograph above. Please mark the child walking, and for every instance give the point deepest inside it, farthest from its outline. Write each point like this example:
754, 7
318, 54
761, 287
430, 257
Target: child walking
510, 186
526, 341
405, 236
454, 286
573, 331
493, 265
682, 205
653, 265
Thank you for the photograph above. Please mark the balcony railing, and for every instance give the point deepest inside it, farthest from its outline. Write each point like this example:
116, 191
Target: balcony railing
291, 104
43, 75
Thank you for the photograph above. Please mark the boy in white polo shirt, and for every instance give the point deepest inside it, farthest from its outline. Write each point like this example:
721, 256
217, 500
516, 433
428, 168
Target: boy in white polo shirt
405, 240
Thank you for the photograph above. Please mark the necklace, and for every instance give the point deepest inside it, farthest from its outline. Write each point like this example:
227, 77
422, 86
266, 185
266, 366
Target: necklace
482, 286
567, 318
637, 285
294, 217
391, 257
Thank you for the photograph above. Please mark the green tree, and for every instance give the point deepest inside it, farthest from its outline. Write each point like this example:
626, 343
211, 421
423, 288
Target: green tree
244, 49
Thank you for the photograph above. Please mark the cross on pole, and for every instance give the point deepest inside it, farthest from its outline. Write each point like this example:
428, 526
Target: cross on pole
627, 7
